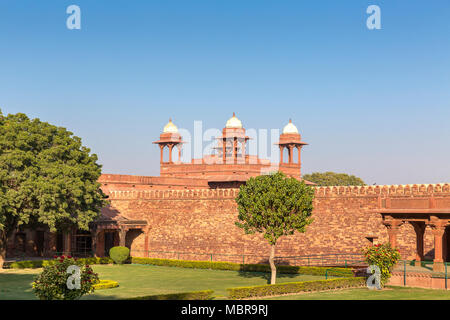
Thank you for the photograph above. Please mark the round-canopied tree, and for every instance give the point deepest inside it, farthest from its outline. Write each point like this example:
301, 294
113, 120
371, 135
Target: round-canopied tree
333, 179
46, 178
274, 205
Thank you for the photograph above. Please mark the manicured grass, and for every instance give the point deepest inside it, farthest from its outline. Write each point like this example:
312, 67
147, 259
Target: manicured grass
140, 280
389, 293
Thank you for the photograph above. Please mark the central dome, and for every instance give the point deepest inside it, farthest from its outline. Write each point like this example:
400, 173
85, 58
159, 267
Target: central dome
170, 127
233, 122
290, 128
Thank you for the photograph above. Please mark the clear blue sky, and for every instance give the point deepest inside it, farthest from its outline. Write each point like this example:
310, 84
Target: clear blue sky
371, 103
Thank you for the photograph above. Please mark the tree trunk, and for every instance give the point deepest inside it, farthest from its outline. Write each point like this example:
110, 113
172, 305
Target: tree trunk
2, 248
273, 268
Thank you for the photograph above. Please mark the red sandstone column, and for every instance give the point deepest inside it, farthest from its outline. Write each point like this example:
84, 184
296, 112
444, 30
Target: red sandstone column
291, 154
299, 158
100, 248
438, 228
170, 152
419, 228
161, 146
224, 150
122, 236
392, 228
179, 152
281, 154
67, 243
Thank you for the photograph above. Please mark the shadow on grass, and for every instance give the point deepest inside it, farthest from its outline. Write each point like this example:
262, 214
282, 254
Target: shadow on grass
265, 275
16, 286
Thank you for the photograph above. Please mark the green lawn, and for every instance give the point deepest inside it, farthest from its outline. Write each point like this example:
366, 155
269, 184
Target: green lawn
140, 280
389, 293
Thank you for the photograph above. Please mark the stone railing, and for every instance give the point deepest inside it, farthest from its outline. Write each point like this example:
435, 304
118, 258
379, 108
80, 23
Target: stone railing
385, 190
174, 194
231, 193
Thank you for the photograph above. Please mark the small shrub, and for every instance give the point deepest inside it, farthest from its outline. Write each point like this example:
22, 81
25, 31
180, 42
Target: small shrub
194, 295
119, 254
383, 256
51, 284
105, 284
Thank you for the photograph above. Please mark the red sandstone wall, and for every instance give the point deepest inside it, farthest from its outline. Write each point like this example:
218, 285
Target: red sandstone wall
203, 221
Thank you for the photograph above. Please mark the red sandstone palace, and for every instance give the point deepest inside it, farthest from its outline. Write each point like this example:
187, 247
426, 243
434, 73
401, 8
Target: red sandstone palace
190, 208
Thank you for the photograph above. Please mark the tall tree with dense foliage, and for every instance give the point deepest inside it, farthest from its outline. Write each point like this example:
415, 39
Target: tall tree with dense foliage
46, 178
333, 179
275, 206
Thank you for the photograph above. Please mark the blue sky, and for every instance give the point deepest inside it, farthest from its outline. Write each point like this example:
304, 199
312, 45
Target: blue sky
374, 103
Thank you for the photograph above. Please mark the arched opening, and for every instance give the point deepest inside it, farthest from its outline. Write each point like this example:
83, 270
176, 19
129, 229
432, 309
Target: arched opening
295, 155
285, 155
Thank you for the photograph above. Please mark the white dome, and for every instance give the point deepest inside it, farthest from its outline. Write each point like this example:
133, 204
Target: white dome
233, 122
290, 128
170, 127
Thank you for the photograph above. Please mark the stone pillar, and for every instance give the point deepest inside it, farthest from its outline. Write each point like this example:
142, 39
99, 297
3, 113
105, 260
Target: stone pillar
67, 243
146, 246
179, 152
100, 243
170, 152
235, 147
419, 228
161, 146
299, 158
291, 154
224, 150
438, 229
281, 153
392, 229
122, 236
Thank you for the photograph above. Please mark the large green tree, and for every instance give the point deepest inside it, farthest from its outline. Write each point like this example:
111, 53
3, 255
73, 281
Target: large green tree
46, 178
275, 206
333, 179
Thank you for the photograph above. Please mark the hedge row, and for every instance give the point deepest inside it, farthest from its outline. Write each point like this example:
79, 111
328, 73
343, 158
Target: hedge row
194, 295
294, 287
44, 263
106, 284
317, 271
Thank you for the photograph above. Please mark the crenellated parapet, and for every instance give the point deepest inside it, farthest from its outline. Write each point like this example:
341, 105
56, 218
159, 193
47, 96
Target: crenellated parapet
384, 190
193, 194
332, 191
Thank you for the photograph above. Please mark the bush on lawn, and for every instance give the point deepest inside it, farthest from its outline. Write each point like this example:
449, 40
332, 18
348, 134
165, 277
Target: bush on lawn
194, 295
53, 282
105, 284
317, 271
119, 254
43, 263
383, 256
294, 287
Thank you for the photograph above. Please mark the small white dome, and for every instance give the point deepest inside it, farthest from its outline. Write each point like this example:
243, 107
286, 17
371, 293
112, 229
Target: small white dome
233, 122
170, 127
290, 128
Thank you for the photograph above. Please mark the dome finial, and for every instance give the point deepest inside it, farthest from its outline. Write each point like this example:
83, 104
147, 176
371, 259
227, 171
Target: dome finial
290, 128
233, 122
170, 127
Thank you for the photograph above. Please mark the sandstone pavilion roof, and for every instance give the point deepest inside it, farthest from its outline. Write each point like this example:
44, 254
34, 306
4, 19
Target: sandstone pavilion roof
290, 128
170, 127
233, 122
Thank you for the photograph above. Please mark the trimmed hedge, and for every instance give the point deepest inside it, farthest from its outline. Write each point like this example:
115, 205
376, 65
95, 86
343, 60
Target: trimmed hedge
316, 271
43, 263
294, 287
194, 295
106, 284
119, 254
